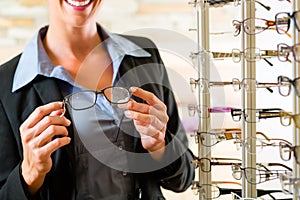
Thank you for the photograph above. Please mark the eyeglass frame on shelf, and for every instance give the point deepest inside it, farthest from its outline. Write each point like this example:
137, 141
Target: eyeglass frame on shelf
295, 149
264, 173
259, 114
290, 181
269, 23
290, 16
237, 85
288, 49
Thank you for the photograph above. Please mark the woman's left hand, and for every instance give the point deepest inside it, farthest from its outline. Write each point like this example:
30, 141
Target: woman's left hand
150, 120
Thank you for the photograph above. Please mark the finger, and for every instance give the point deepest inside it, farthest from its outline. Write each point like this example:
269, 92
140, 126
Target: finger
145, 119
49, 133
135, 106
149, 97
40, 112
49, 121
150, 132
55, 144
56, 112
146, 109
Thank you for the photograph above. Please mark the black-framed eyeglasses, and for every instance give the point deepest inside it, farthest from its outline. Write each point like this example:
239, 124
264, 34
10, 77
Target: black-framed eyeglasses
286, 152
213, 191
283, 21
86, 99
285, 84
256, 114
284, 51
256, 175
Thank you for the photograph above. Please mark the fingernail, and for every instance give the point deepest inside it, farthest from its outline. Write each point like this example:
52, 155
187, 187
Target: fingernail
123, 106
133, 89
68, 121
128, 113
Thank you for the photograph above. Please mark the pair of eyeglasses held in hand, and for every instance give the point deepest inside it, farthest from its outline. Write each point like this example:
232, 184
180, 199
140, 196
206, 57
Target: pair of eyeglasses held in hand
86, 99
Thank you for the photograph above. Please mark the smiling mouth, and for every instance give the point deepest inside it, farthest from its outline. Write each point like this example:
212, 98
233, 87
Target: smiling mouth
79, 3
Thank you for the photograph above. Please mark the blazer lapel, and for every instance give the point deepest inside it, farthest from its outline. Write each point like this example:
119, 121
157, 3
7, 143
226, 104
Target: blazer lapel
48, 91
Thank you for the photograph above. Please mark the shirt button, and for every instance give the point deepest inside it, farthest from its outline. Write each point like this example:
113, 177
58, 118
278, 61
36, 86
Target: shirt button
120, 148
124, 173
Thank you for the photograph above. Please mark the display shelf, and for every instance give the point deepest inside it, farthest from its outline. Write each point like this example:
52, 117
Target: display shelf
247, 99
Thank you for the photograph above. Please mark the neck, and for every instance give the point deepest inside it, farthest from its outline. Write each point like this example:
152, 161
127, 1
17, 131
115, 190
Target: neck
66, 42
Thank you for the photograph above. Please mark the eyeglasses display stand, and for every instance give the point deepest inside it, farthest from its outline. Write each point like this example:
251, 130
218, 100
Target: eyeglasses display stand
296, 136
248, 99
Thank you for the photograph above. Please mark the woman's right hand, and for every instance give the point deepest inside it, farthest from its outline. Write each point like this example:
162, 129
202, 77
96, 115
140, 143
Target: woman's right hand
37, 135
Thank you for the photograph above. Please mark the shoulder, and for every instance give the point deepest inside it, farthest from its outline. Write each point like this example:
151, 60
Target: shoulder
7, 71
143, 42
9, 66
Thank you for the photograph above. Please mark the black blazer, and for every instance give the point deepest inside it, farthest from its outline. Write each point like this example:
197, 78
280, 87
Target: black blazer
147, 72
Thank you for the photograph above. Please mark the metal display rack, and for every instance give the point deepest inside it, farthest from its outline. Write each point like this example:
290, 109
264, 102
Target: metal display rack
248, 100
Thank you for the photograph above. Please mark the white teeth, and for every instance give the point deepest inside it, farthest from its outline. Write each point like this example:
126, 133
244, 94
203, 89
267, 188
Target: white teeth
78, 3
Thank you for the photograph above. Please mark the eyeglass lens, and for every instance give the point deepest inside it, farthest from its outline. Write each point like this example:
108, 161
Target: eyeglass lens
250, 54
87, 98
283, 20
82, 100
284, 51
284, 85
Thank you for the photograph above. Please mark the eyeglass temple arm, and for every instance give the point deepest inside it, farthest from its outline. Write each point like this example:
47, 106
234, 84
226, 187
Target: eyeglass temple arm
268, 8
277, 164
221, 55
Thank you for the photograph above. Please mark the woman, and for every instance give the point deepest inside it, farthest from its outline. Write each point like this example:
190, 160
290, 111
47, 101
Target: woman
43, 154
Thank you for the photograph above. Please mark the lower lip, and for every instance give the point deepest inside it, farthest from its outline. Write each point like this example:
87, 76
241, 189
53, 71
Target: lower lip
79, 8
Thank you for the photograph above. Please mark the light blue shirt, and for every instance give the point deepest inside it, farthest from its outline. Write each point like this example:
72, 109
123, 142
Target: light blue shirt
35, 61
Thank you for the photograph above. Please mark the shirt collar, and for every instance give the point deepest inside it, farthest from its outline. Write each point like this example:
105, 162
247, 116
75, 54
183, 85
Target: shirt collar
35, 61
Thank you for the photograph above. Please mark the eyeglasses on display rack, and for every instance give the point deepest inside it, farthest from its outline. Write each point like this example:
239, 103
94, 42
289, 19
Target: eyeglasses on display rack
257, 175
237, 197
206, 163
286, 151
219, 3
284, 51
251, 54
286, 83
253, 26
286, 119
213, 191
289, 183
248, 84
283, 21
204, 111
215, 136
256, 114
